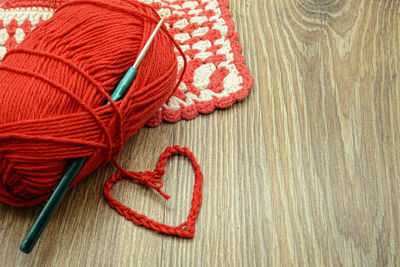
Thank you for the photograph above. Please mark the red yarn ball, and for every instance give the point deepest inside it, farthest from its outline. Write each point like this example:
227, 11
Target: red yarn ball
53, 87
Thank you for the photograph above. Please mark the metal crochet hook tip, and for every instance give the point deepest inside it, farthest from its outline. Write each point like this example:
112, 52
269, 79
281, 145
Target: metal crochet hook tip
61, 189
148, 43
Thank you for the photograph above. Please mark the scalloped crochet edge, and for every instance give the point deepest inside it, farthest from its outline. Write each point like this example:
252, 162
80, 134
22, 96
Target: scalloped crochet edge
192, 111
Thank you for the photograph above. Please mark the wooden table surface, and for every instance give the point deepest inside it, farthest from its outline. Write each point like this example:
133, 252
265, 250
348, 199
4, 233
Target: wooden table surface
305, 171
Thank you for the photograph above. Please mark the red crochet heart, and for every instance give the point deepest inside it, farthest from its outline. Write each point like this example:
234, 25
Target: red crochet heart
185, 229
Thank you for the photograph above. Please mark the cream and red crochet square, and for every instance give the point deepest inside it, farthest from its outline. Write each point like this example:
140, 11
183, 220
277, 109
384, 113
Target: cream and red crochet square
216, 76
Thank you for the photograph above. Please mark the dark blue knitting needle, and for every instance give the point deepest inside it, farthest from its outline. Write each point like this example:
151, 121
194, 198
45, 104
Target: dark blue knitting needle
61, 189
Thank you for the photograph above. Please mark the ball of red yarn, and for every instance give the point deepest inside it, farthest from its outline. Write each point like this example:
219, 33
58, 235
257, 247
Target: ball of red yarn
53, 87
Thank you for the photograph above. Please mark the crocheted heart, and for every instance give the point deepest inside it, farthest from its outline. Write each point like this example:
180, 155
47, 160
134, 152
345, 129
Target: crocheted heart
185, 229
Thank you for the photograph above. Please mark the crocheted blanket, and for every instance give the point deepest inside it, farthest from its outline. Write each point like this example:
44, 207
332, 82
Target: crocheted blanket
216, 76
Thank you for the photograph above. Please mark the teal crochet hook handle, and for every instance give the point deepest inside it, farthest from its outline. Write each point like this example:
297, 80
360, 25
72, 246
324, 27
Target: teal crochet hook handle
61, 189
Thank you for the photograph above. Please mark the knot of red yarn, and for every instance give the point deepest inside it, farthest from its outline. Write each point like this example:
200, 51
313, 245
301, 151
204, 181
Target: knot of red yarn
150, 178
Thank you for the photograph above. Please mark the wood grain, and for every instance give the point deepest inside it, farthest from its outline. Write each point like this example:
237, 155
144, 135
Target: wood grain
305, 171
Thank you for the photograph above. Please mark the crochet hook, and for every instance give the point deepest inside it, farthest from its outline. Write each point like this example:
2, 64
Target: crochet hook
61, 189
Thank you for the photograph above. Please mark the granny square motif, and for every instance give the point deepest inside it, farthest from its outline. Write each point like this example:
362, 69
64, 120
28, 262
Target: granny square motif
216, 76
